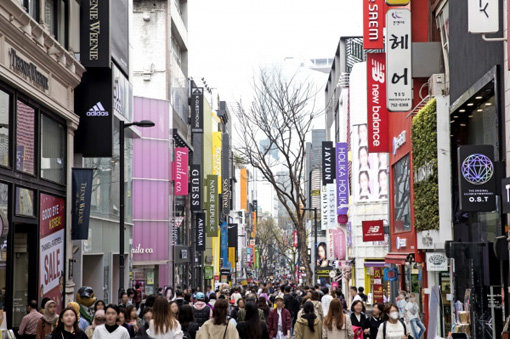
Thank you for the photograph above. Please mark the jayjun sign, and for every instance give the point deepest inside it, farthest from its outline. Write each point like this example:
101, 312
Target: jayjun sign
328, 163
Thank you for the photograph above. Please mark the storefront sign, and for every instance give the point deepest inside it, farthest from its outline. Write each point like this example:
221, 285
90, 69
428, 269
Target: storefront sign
226, 191
181, 171
200, 229
373, 230
51, 254
399, 86
140, 250
212, 218
505, 195
397, 2
376, 99
400, 243
331, 216
399, 141
390, 274
232, 235
373, 24
217, 138
324, 208
342, 178
122, 94
436, 262
477, 182
28, 70
483, 16
294, 239
82, 191
328, 163
224, 243
95, 33
197, 110
196, 188
378, 293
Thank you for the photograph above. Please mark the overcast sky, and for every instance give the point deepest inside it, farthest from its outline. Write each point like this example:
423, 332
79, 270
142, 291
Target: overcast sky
230, 39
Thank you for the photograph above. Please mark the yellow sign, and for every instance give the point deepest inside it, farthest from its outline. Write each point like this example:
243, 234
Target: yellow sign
216, 157
397, 2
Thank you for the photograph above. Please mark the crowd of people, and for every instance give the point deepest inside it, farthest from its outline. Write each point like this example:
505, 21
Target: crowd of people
264, 311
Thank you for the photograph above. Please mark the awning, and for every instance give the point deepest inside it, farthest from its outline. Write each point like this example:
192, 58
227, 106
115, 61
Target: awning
370, 263
398, 258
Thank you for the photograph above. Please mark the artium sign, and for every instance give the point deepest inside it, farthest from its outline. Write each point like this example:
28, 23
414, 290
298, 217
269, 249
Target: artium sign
377, 113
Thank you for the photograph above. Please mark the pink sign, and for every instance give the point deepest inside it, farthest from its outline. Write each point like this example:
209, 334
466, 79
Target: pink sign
339, 248
181, 171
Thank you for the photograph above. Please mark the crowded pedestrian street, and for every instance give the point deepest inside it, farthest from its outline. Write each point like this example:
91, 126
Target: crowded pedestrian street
271, 169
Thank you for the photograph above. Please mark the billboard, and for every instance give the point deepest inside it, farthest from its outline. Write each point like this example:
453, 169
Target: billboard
180, 171
342, 178
373, 24
95, 33
370, 170
377, 114
328, 162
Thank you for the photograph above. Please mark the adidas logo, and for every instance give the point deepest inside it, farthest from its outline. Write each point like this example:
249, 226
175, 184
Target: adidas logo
97, 111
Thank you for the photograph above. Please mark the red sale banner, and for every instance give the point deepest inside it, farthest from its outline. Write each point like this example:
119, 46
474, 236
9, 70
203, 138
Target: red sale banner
376, 103
373, 230
51, 248
373, 24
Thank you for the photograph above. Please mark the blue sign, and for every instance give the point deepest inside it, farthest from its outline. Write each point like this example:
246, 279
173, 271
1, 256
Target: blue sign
390, 274
224, 243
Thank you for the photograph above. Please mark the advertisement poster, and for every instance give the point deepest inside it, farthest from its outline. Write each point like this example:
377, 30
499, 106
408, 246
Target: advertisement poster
339, 246
51, 249
322, 255
370, 170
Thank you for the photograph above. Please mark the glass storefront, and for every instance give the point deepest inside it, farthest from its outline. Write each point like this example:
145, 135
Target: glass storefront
402, 195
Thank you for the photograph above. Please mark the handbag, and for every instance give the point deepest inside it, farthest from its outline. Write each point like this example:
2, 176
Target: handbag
225, 333
358, 332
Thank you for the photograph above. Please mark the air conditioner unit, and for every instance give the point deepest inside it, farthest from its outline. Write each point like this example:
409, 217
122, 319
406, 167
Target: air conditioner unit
437, 85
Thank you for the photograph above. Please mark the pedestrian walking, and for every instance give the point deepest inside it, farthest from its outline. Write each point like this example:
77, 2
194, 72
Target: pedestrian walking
394, 327
325, 300
279, 320
308, 326
82, 322
252, 327
361, 293
412, 313
174, 308
376, 319
67, 327
99, 319
164, 324
218, 327
110, 329
147, 316
201, 311
235, 310
336, 324
359, 321
123, 320
28, 326
401, 304
99, 305
262, 305
317, 305
124, 299
48, 321
354, 295
189, 326
134, 320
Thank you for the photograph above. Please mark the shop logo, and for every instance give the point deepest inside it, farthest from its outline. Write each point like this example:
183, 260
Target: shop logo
437, 259
477, 169
97, 111
373, 230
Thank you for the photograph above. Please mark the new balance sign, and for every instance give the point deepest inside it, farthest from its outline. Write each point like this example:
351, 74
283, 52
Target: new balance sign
373, 230
98, 111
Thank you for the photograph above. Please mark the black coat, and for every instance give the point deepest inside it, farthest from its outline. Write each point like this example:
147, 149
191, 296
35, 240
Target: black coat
191, 329
244, 330
374, 326
68, 335
363, 323
291, 304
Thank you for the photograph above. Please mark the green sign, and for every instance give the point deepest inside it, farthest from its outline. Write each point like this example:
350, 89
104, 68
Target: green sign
212, 219
208, 272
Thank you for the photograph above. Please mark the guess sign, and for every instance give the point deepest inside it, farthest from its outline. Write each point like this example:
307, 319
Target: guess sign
373, 230
373, 24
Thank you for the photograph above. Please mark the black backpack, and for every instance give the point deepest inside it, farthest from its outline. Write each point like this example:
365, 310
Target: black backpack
403, 324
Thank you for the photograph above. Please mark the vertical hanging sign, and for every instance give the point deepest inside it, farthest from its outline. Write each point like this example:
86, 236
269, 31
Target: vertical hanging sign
200, 229
212, 203
328, 164
483, 16
196, 188
197, 110
377, 112
324, 208
399, 86
342, 178
373, 24
181, 171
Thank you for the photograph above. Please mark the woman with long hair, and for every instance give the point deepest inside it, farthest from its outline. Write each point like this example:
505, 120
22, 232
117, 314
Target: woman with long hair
163, 324
110, 329
336, 324
123, 320
359, 321
394, 327
218, 327
308, 326
99, 319
376, 319
67, 327
188, 324
252, 327
99, 305
174, 308
262, 305
48, 321
134, 319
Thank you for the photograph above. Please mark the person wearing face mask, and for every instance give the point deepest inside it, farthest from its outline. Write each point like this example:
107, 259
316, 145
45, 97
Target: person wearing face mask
412, 312
376, 319
394, 327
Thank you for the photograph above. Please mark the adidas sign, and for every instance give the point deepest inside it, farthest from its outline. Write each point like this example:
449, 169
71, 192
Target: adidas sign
97, 111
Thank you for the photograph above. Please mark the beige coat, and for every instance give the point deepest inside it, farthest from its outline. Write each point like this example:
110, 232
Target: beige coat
317, 309
345, 333
302, 331
211, 331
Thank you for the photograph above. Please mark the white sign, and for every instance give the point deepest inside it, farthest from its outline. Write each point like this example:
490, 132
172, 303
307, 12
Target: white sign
324, 208
331, 191
140, 250
399, 83
52, 260
399, 141
436, 262
483, 16
401, 243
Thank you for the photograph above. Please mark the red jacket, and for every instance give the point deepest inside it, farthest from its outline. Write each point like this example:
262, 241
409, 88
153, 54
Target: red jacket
272, 322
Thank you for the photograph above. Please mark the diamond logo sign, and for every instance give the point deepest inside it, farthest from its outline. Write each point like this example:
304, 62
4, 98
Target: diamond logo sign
477, 169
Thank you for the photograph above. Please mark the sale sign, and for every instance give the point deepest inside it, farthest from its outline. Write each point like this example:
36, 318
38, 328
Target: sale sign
376, 107
373, 230
373, 24
51, 248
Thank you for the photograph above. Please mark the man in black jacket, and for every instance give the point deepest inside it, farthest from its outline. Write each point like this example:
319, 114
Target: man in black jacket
291, 304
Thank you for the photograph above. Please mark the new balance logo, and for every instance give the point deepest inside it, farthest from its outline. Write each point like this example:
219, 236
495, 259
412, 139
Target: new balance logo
373, 229
97, 111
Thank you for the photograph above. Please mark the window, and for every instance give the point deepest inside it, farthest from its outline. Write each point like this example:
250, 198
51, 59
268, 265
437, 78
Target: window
32, 7
4, 128
24, 201
55, 19
25, 138
402, 195
53, 150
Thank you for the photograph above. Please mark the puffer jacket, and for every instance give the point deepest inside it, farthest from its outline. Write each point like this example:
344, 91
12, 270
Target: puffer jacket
202, 312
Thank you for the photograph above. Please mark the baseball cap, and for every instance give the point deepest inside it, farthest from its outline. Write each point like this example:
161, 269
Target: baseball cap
200, 296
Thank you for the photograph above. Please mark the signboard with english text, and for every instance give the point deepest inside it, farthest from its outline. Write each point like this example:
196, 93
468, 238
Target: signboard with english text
377, 114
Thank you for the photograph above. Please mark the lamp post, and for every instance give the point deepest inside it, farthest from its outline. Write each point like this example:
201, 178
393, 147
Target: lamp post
143, 124
315, 239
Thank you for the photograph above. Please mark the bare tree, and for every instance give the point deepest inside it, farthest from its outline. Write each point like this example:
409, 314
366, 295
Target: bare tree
281, 114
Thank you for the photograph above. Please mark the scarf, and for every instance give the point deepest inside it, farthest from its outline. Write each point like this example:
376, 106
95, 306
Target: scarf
50, 318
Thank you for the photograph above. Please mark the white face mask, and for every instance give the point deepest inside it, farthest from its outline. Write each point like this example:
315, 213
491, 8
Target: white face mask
394, 315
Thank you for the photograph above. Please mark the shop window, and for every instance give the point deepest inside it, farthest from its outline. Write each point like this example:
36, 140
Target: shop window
55, 18
24, 201
53, 150
402, 195
4, 230
25, 138
4, 128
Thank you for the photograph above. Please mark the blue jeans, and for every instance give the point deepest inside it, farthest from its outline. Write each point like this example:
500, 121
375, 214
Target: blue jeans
421, 329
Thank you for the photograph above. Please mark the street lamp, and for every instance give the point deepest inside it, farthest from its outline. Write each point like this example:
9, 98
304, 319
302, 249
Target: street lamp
315, 234
142, 124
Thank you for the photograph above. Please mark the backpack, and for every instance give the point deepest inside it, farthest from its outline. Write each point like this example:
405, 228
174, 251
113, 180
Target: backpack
403, 324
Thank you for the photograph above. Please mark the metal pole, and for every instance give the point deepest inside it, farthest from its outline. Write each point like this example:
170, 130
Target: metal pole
315, 249
121, 203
